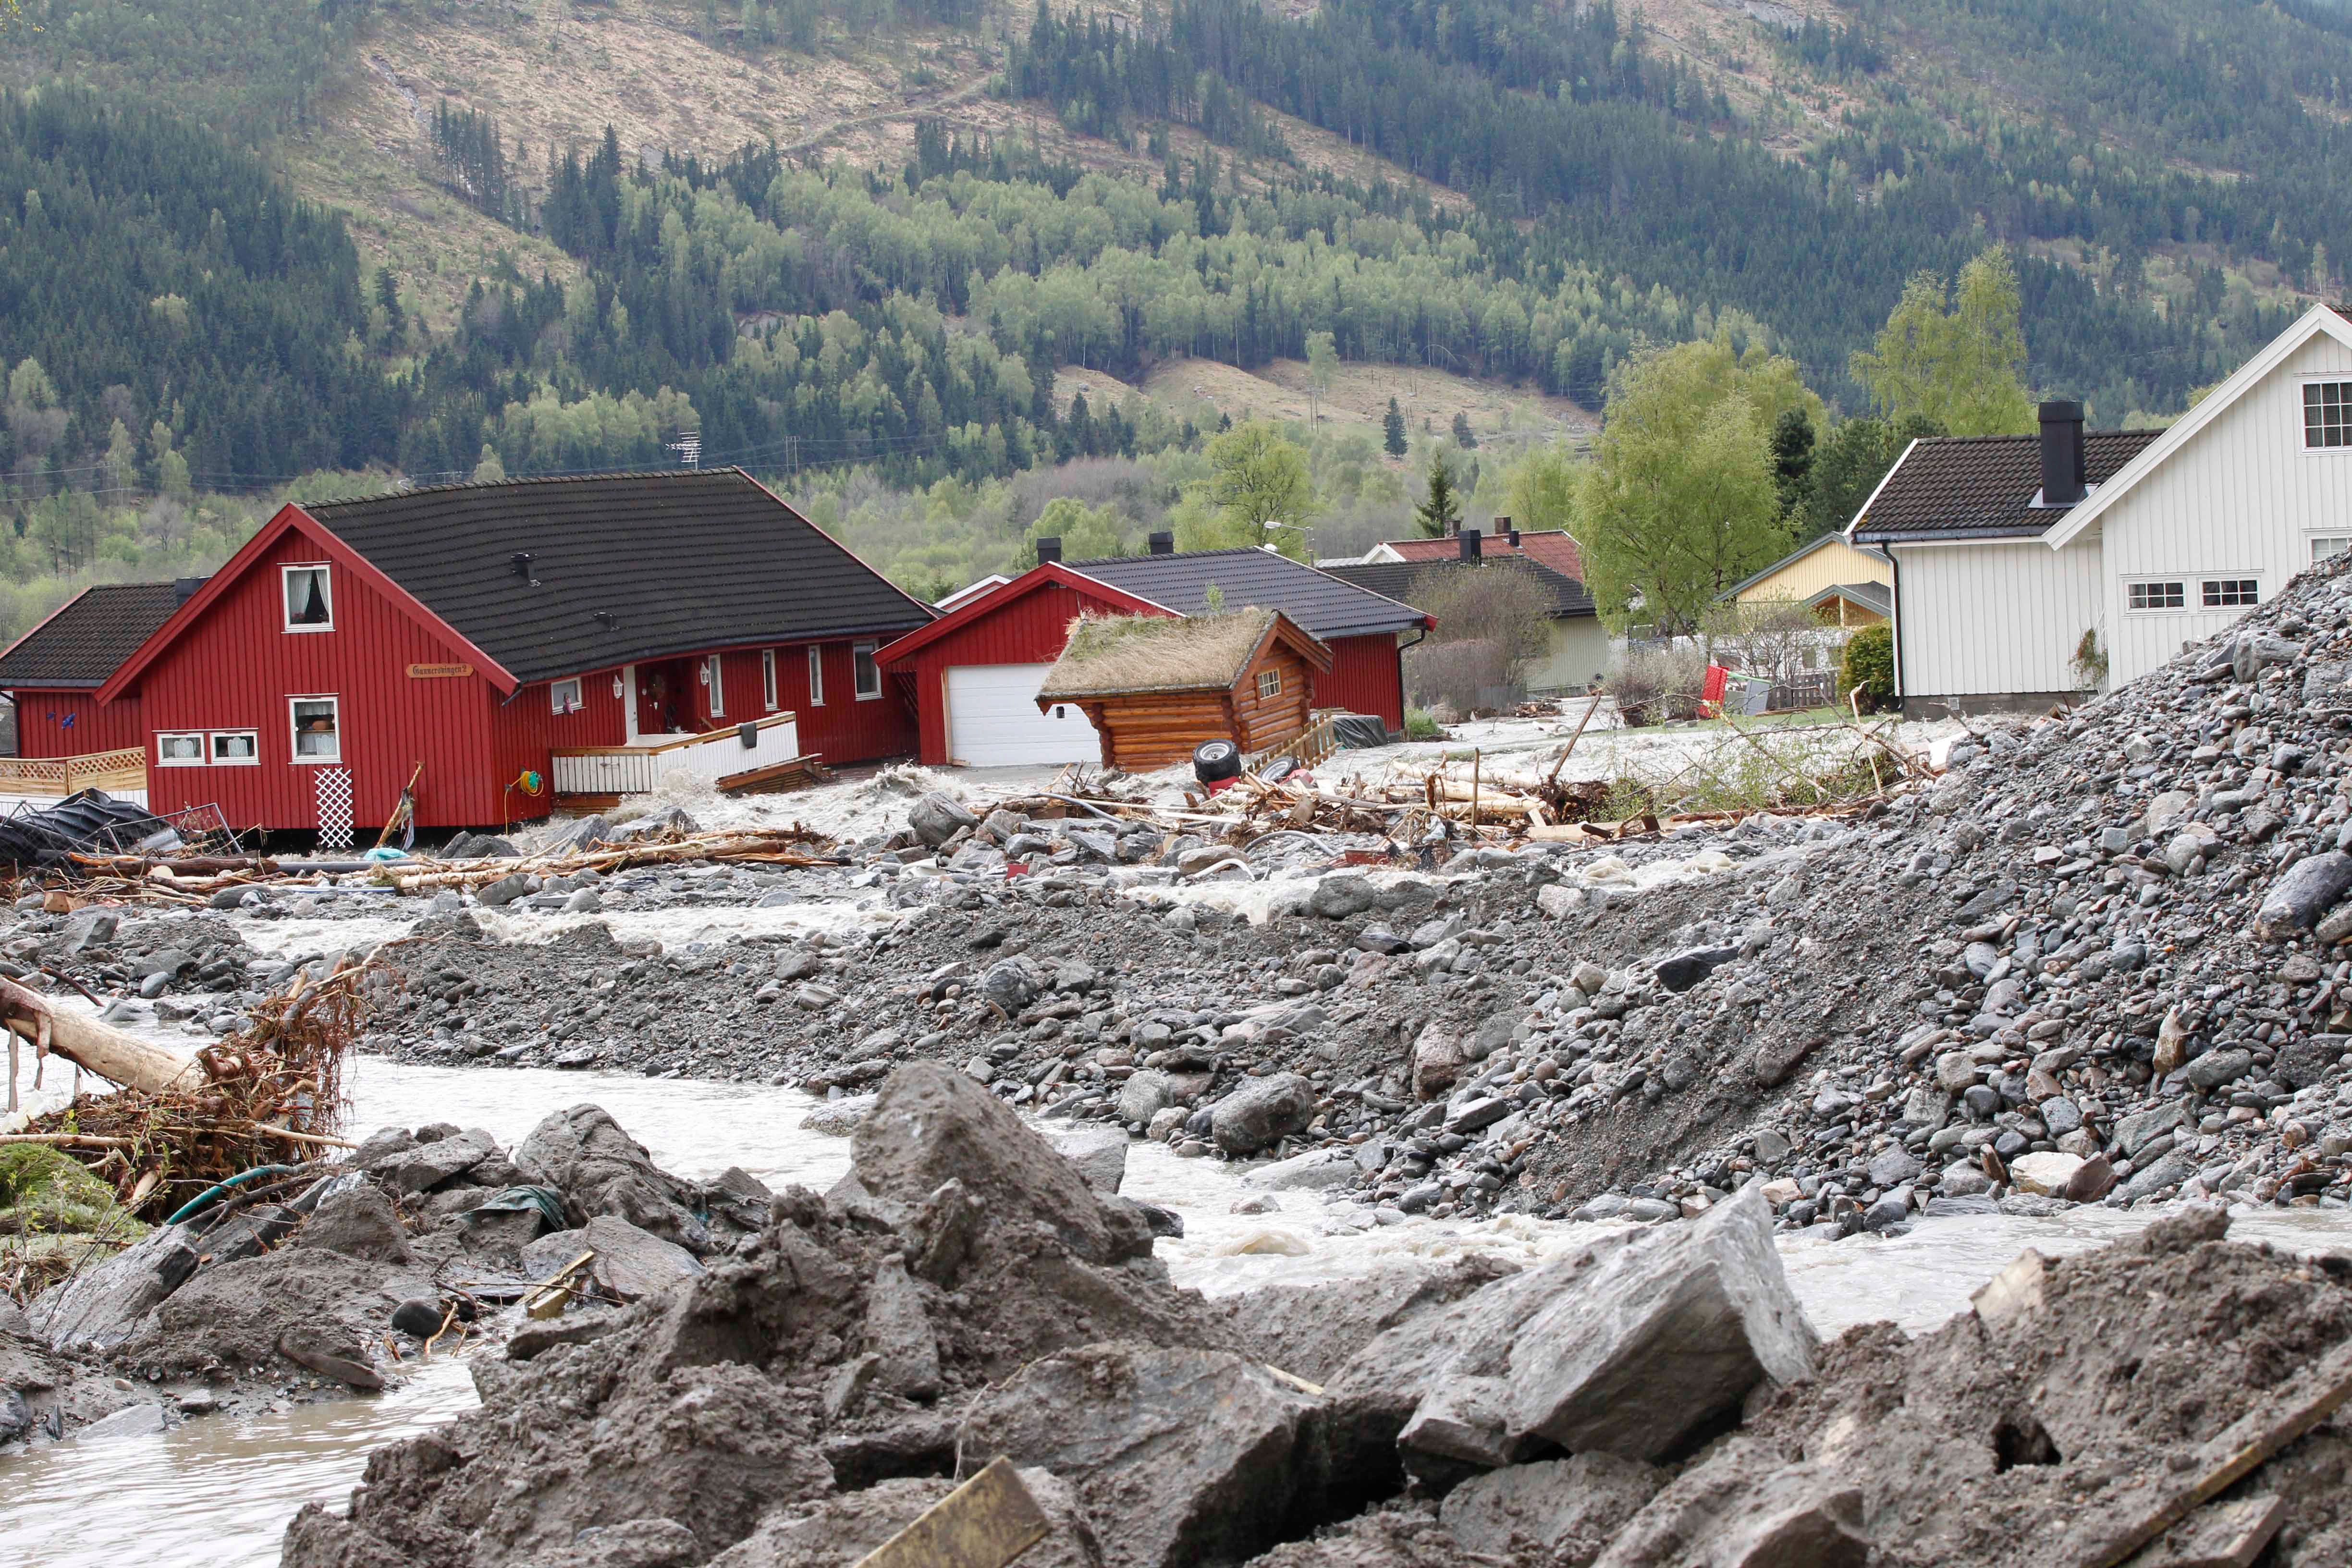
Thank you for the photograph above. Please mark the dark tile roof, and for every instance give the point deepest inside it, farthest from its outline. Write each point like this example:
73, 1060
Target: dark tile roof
1875, 597
1403, 579
1318, 601
1550, 547
679, 561
89, 637
1979, 486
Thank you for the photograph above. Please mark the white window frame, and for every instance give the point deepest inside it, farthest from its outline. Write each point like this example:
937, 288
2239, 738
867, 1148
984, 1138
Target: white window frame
286, 592
566, 695
2206, 585
213, 737
861, 659
767, 677
817, 676
1264, 690
294, 731
2179, 609
2311, 541
164, 760
2301, 424
714, 675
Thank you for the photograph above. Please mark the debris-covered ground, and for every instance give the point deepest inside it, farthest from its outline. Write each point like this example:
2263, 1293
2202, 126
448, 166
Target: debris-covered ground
1653, 1398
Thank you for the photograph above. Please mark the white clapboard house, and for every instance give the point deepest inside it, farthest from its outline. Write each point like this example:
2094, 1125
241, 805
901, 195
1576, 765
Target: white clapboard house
2029, 569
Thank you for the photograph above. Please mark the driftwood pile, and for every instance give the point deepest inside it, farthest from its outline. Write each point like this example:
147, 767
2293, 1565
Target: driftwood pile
271, 1094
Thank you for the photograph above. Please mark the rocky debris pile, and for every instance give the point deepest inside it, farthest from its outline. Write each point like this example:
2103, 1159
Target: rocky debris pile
287, 1285
1653, 1397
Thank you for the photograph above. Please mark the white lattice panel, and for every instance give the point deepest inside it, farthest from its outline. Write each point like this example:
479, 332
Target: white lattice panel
334, 786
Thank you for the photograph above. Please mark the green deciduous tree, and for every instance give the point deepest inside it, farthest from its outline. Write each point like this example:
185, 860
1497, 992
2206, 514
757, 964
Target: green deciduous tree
1542, 487
1322, 366
1087, 532
1679, 502
1258, 481
1963, 367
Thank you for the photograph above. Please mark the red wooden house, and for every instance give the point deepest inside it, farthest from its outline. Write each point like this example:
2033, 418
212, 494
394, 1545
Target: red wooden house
973, 674
588, 633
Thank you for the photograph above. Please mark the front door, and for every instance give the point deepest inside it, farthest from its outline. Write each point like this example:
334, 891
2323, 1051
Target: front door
665, 697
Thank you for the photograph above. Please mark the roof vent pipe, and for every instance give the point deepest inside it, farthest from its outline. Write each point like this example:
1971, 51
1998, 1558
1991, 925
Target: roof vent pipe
2064, 469
1049, 548
186, 588
522, 560
1471, 547
1504, 528
1164, 543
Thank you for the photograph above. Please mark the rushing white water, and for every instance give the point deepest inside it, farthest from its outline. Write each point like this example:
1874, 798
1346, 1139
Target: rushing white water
219, 1490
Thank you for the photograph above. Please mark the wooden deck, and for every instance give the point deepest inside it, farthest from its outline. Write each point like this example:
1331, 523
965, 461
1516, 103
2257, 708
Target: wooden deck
739, 756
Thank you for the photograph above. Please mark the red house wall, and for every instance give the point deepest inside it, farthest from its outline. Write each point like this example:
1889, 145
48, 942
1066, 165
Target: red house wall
236, 665
524, 731
1367, 675
1030, 630
75, 724
841, 730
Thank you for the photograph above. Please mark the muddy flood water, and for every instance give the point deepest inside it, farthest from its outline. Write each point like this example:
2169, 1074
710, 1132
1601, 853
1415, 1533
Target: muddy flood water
217, 1491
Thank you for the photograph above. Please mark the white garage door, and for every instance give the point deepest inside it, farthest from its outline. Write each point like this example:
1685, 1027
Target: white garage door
993, 720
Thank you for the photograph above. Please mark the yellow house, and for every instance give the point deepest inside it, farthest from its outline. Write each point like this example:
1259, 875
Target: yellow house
1845, 586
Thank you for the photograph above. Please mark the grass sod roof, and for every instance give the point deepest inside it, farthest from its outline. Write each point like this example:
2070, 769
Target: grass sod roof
1109, 655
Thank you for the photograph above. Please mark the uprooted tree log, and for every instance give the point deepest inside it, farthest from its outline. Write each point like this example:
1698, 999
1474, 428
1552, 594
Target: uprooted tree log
271, 1093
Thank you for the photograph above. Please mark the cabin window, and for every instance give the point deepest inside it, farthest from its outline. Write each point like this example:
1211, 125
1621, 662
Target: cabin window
2228, 593
715, 678
816, 677
869, 674
2157, 595
2326, 414
767, 677
565, 695
309, 599
318, 729
179, 751
2328, 546
1269, 683
237, 748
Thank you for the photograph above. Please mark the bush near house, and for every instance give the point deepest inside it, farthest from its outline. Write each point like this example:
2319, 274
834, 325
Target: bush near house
1462, 675
1869, 667
1655, 683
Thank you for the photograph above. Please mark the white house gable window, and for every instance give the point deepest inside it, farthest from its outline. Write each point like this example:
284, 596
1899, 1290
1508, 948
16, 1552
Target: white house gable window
565, 695
236, 748
1269, 683
869, 674
2230, 593
318, 729
2157, 595
179, 751
2326, 414
309, 598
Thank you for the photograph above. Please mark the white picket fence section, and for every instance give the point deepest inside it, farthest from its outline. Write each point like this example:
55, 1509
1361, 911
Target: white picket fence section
722, 755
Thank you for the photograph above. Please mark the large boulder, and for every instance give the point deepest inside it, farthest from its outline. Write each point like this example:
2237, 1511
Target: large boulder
1559, 1510
1098, 1152
358, 1221
931, 1125
2302, 893
1314, 1330
1633, 1345
936, 819
1262, 1111
252, 1311
839, 1532
630, 1263
599, 1170
100, 1307
425, 1166
1179, 1456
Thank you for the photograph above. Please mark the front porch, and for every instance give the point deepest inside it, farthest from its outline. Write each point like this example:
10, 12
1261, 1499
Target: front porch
745, 756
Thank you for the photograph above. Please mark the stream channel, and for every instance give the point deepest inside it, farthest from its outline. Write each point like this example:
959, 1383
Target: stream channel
217, 1491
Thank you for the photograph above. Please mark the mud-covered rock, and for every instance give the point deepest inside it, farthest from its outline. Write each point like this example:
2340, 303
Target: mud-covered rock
358, 1221
840, 1530
599, 1170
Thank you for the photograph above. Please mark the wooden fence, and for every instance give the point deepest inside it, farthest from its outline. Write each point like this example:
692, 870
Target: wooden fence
58, 777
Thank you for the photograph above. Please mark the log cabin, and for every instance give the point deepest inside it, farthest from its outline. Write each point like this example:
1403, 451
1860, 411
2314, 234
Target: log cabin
1155, 687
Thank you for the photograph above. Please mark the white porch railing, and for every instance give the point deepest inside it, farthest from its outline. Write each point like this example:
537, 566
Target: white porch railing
718, 757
